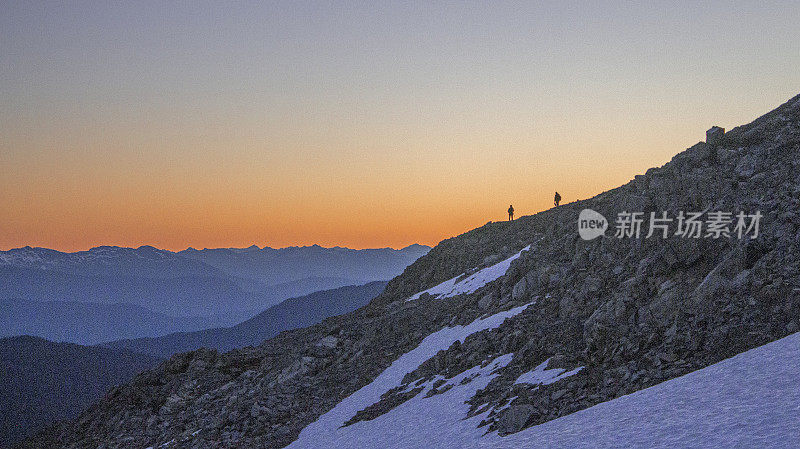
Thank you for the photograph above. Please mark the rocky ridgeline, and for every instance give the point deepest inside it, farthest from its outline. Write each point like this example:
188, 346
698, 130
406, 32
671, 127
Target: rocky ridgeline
631, 312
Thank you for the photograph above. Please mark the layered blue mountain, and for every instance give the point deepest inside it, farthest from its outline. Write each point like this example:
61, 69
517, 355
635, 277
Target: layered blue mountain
89, 323
292, 313
274, 266
155, 292
42, 381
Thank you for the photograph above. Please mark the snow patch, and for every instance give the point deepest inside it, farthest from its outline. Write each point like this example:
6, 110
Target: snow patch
461, 285
327, 431
543, 376
420, 422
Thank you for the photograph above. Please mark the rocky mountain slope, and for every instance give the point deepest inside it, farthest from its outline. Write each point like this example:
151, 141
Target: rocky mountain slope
290, 314
523, 321
42, 381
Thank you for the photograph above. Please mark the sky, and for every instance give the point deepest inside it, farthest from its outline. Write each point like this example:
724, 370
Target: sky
360, 124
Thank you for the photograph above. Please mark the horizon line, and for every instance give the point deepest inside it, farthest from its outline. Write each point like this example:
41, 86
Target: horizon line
188, 248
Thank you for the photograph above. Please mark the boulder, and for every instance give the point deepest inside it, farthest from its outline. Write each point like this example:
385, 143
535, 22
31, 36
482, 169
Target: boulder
485, 302
514, 418
519, 289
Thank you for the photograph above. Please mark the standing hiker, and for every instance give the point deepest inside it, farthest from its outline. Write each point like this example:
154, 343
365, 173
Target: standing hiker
557, 199
510, 213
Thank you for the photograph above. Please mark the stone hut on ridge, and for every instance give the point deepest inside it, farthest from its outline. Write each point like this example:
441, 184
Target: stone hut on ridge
714, 135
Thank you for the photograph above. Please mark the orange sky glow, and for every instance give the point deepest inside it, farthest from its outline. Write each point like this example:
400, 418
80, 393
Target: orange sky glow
363, 128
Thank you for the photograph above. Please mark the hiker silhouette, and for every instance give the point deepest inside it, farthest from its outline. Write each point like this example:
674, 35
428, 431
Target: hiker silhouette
557, 199
510, 213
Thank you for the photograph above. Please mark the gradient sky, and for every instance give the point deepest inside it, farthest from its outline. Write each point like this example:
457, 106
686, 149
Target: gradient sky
367, 124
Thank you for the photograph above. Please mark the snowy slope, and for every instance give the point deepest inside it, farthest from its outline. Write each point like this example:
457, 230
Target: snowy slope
751, 400
458, 286
413, 422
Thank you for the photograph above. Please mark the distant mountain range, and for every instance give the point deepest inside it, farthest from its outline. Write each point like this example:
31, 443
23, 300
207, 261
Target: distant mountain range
156, 291
42, 381
89, 323
274, 266
290, 314
252, 268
